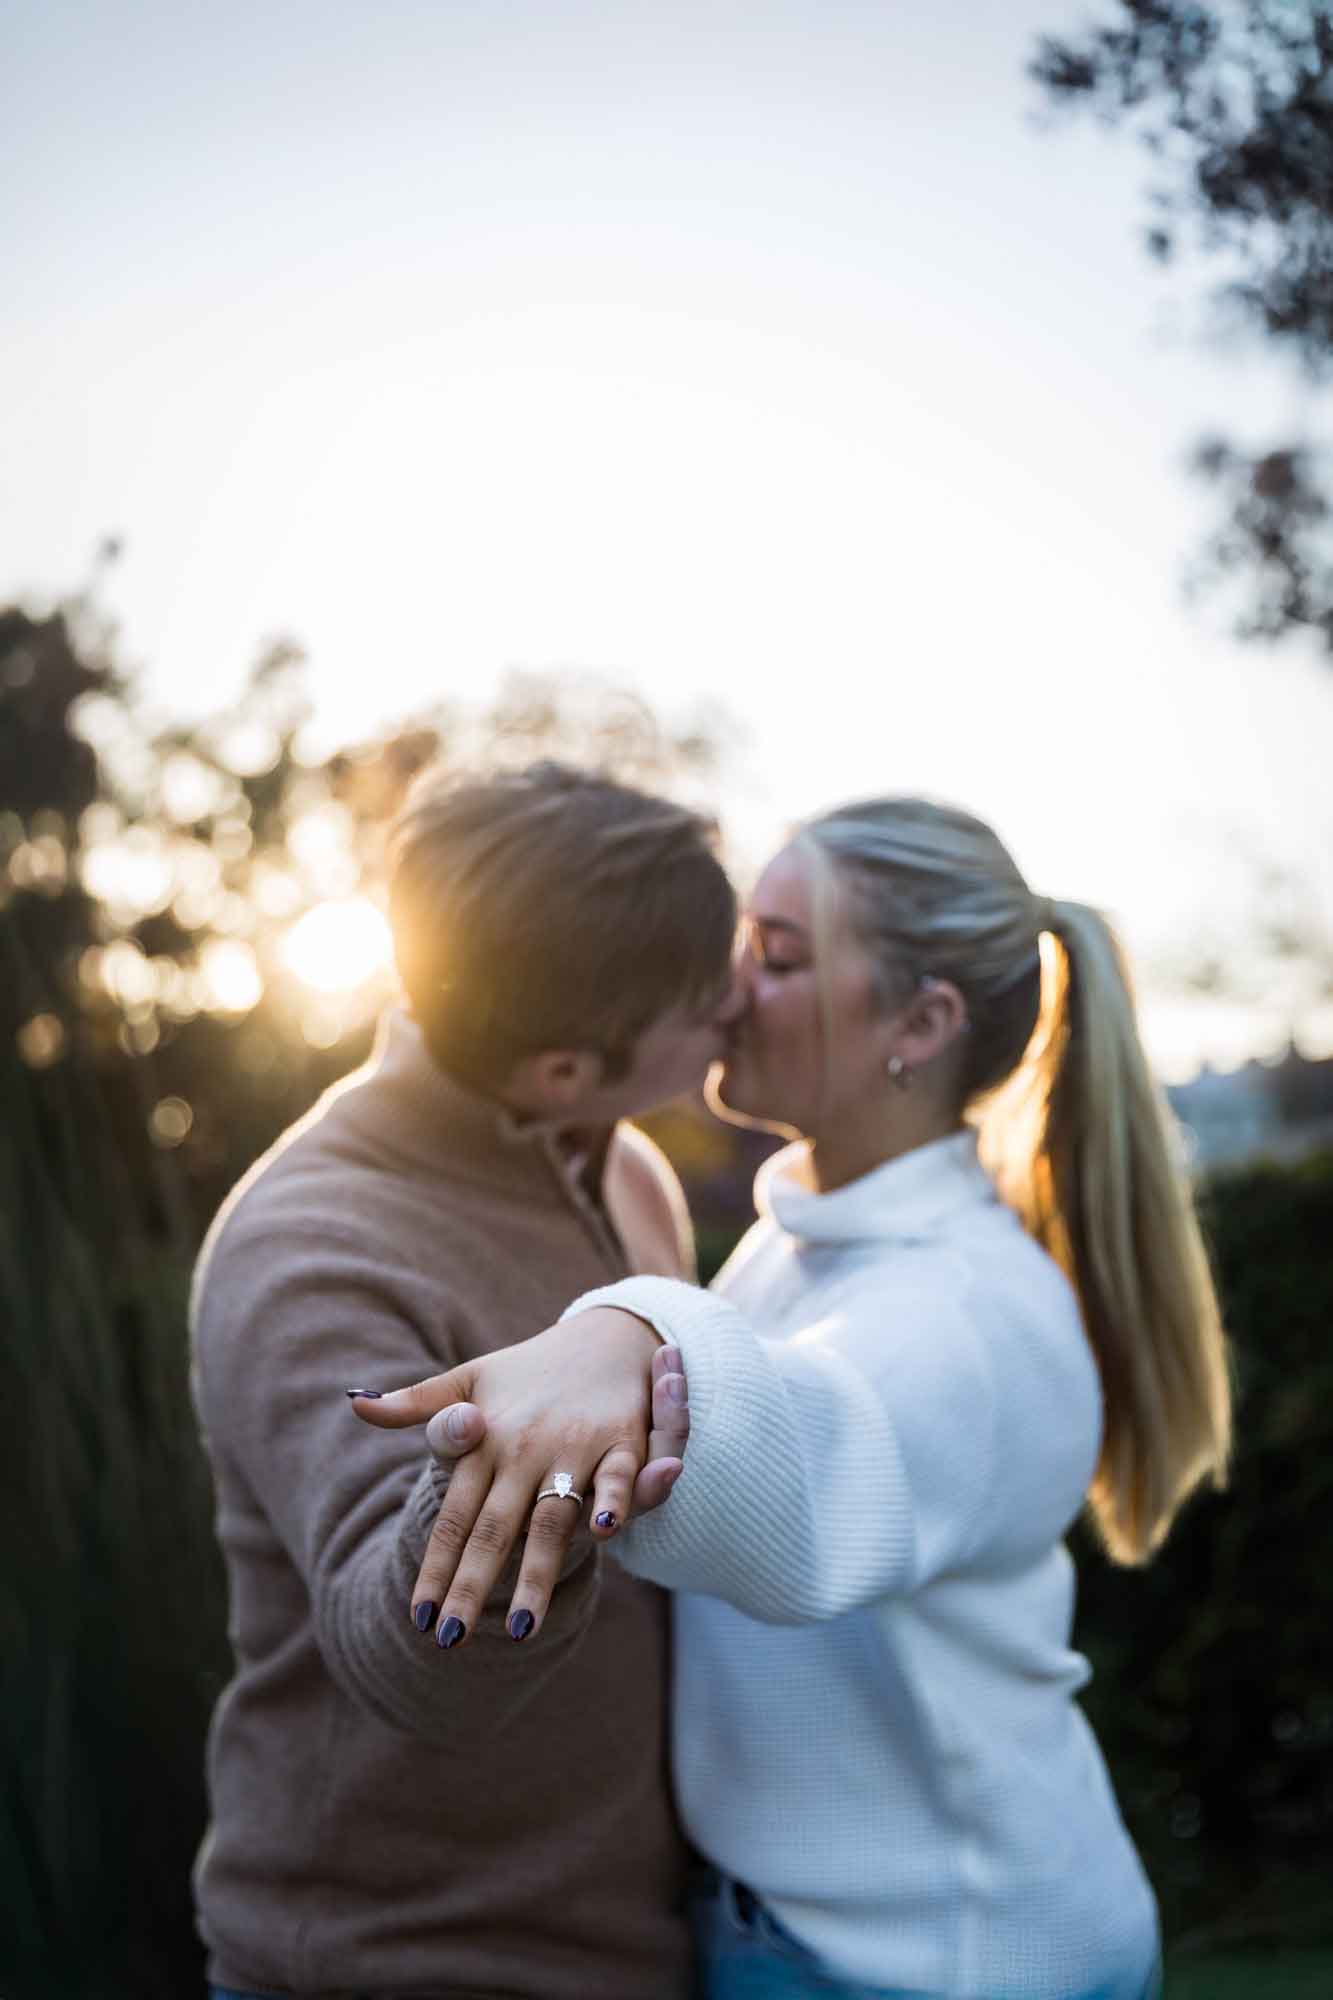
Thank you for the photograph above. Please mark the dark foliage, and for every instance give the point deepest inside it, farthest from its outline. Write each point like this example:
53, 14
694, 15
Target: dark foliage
1213, 1690
112, 1611
1235, 105
42, 676
1274, 531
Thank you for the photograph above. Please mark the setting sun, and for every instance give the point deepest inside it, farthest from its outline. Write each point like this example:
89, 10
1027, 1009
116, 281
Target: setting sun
231, 975
335, 947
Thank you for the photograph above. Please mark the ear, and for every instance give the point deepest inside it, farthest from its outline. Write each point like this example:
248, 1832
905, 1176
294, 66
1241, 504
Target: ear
555, 1083
932, 1020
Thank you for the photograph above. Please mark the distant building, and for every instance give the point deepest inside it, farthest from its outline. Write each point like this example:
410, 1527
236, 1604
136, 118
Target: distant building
1280, 1110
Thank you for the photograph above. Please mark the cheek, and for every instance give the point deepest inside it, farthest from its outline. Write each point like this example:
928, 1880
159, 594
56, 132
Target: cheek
784, 1013
694, 1055
702, 1050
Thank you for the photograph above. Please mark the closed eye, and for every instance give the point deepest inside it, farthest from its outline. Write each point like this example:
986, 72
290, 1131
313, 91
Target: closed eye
767, 940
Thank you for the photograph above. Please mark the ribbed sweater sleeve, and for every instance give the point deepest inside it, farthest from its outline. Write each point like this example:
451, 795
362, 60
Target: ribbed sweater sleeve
813, 1483
279, 1332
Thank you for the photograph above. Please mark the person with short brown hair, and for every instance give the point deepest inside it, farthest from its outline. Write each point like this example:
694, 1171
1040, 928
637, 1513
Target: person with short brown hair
382, 1822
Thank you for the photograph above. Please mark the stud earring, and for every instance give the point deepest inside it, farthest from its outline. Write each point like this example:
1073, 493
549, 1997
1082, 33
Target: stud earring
899, 1071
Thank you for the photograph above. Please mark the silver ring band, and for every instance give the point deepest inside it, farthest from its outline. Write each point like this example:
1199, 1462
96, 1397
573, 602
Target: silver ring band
560, 1488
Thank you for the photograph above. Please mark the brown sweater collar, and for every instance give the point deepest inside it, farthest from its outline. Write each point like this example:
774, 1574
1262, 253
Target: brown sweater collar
402, 1098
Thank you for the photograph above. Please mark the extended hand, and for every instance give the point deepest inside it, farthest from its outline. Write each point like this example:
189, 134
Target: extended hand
573, 1400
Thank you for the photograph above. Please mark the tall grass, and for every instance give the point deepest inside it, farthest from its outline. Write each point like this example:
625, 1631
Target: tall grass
111, 1593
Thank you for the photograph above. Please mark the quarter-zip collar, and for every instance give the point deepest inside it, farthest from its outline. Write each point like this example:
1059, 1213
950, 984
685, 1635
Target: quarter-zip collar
419, 1110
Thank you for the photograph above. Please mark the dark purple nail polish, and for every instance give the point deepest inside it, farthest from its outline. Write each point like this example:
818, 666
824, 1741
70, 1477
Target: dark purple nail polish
606, 1519
371, 1395
424, 1616
449, 1634
520, 1624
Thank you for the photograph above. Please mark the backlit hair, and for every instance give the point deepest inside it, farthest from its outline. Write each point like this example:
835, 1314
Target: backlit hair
552, 908
1072, 1125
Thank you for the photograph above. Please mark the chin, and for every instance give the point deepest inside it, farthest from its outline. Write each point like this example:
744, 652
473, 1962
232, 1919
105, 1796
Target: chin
727, 1098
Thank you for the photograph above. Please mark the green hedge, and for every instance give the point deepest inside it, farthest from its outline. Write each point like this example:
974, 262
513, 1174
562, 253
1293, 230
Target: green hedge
1213, 1687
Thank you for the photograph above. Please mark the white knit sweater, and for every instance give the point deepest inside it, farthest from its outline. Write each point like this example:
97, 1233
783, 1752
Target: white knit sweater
894, 1418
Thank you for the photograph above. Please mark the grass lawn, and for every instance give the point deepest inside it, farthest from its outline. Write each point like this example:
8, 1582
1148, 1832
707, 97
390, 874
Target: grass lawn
1252, 1975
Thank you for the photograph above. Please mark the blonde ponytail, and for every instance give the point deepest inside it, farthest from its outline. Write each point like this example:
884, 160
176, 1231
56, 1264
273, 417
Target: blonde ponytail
1072, 1126
1082, 1147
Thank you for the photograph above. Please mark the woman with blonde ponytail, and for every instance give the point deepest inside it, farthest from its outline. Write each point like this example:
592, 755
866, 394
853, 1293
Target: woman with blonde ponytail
1074, 1129
976, 1298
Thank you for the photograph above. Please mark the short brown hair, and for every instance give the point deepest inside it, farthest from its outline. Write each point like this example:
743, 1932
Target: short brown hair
552, 908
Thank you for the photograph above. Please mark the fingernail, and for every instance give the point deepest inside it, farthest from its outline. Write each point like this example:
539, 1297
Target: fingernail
456, 1425
452, 1630
672, 1361
520, 1624
606, 1519
677, 1389
371, 1395
424, 1616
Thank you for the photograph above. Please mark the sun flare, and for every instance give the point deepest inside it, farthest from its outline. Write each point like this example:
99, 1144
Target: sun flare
336, 947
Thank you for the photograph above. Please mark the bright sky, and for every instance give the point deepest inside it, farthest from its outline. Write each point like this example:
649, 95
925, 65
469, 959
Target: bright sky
761, 353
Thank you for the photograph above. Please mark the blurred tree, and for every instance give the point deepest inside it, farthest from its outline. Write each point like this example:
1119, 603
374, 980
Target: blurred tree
48, 777
1234, 103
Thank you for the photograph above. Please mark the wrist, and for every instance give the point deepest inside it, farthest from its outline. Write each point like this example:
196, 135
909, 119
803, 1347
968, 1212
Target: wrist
622, 1325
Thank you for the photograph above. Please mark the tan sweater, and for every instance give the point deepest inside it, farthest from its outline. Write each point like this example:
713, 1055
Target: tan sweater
389, 1819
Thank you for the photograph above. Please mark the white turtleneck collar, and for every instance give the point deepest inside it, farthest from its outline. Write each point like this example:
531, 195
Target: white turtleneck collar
903, 1201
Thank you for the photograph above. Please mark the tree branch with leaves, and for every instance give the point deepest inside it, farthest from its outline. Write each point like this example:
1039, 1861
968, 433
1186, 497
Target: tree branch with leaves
1234, 106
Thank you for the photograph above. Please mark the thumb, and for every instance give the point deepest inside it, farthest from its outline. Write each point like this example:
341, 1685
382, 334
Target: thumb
653, 1485
454, 1432
399, 1409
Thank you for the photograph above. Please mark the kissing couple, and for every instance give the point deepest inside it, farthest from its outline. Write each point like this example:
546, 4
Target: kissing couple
706, 1643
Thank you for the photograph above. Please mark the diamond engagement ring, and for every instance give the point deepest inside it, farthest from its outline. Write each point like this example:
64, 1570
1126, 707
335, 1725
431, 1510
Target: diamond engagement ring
560, 1488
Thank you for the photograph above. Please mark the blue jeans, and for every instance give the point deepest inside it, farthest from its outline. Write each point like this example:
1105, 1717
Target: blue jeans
236, 1993
746, 1954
